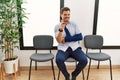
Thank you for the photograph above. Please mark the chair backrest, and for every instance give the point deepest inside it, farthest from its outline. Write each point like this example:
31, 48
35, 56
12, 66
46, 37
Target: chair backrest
43, 42
93, 41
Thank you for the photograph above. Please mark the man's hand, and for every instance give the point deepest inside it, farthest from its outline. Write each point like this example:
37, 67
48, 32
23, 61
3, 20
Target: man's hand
63, 24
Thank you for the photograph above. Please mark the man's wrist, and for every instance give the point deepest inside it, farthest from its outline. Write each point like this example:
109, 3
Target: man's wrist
60, 30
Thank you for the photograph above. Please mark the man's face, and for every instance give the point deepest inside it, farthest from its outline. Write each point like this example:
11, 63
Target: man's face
65, 16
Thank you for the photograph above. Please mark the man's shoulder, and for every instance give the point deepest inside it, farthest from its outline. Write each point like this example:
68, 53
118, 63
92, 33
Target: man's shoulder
72, 23
57, 25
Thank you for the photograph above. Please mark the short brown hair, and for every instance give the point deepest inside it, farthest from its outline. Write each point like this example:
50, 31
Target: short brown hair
64, 9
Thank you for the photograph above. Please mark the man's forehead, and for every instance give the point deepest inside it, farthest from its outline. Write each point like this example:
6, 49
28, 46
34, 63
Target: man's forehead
66, 12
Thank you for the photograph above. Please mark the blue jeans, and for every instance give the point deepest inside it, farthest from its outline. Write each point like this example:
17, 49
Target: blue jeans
78, 55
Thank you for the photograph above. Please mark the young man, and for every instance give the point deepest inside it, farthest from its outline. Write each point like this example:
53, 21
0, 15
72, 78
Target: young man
68, 36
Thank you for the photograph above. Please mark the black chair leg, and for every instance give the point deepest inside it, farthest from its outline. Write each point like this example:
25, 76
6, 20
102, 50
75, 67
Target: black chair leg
53, 69
88, 69
59, 74
83, 75
35, 65
30, 70
98, 64
110, 69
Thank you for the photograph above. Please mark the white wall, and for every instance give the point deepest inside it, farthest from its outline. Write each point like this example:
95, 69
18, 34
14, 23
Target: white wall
108, 22
82, 12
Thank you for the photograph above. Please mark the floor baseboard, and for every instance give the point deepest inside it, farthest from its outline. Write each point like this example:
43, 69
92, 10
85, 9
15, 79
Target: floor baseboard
71, 67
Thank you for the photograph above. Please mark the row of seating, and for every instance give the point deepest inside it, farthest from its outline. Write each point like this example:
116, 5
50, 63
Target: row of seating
45, 42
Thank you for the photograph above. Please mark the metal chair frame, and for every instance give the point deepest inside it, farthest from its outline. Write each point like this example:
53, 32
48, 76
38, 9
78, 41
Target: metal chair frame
40, 43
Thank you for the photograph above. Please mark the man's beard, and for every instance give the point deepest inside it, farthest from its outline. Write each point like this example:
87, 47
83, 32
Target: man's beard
66, 20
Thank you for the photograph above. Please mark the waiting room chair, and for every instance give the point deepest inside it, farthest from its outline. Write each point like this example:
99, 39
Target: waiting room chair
95, 42
42, 42
70, 59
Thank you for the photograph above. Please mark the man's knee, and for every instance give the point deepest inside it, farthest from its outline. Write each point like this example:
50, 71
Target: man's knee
59, 60
84, 61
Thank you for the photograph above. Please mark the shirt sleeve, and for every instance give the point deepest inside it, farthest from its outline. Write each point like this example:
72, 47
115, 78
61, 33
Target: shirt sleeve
56, 31
77, 30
